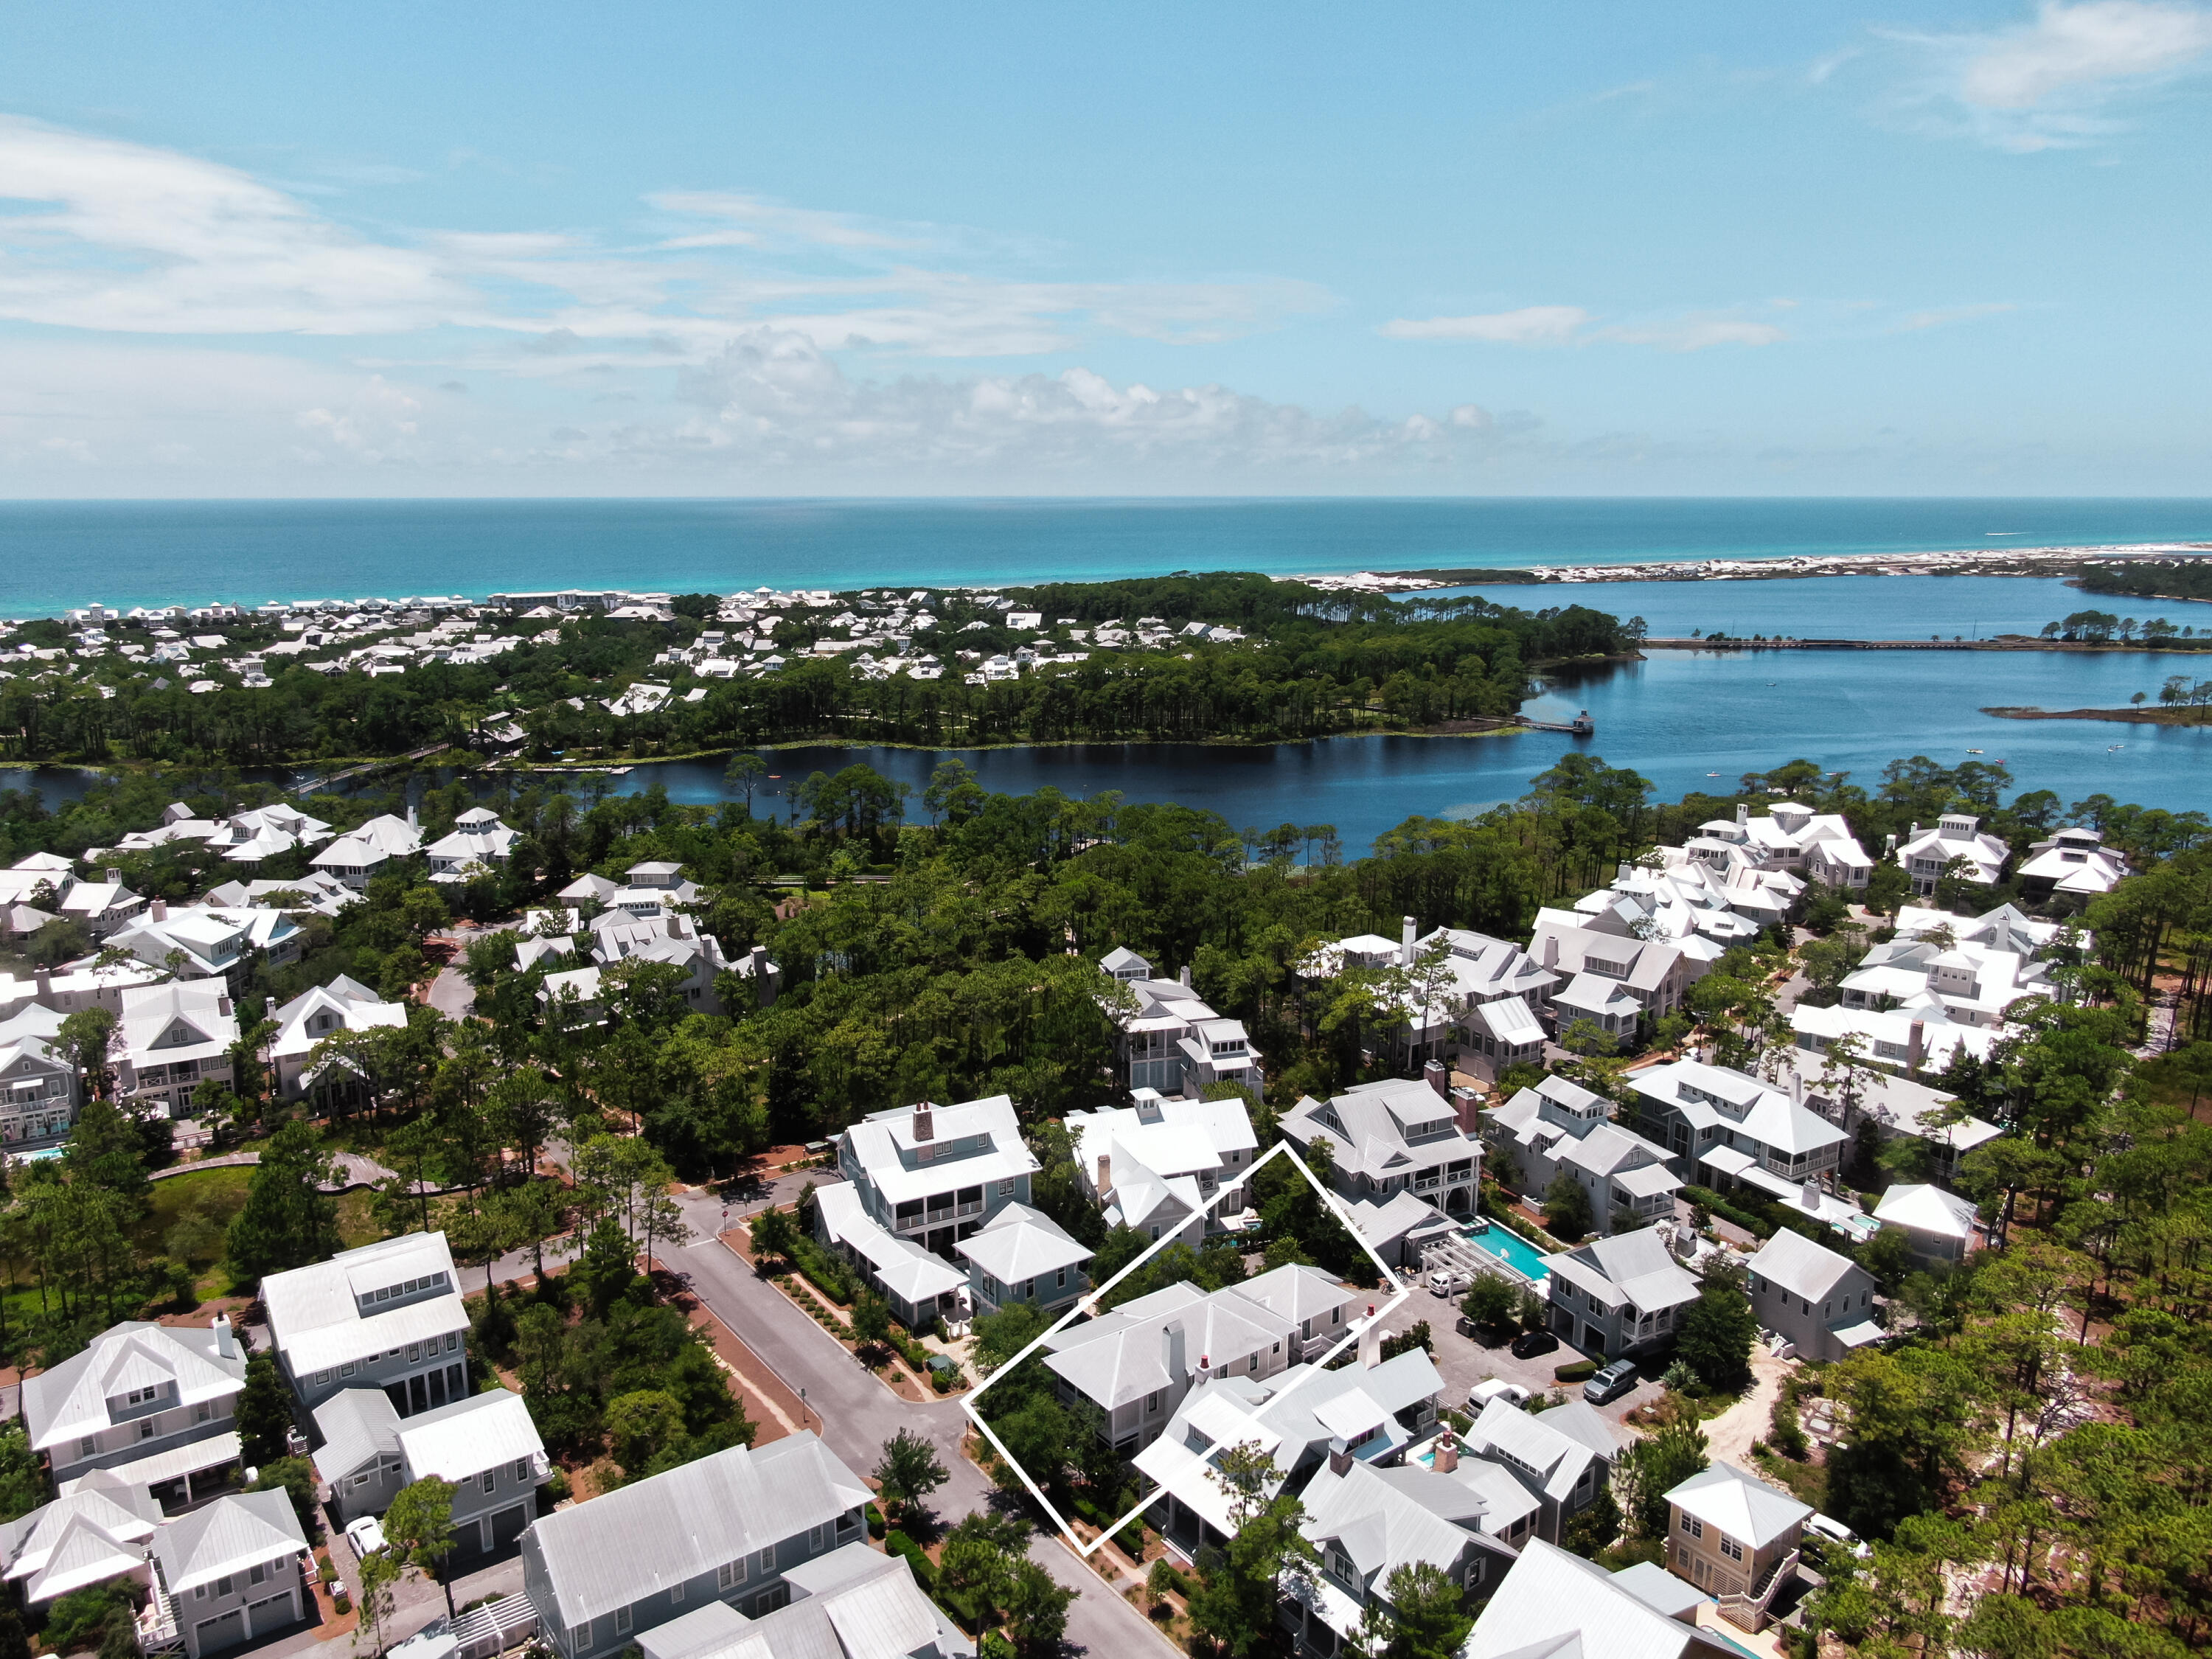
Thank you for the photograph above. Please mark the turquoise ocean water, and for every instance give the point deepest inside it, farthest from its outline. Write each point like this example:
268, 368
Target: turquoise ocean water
54, 555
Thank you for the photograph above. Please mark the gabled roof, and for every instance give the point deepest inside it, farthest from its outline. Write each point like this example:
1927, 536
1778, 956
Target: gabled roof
316, 1319
1553, 1605
1741, 1505
227, 1536
71, 1401
852, 1604
638, 1539
1792, 1262
1382, 1520
359, 1426
1541, 1447
96, 1533
1635, 1264
481, 1431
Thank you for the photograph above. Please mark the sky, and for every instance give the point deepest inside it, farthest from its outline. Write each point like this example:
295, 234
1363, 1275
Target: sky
677, 249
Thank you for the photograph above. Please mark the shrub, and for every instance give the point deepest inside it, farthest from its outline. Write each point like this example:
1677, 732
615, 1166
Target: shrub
556, 1485
995, 1645
1577, 1371
925, 1571
340, 1601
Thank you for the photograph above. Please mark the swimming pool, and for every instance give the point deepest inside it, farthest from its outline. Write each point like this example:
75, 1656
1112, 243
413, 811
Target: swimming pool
1515, 1251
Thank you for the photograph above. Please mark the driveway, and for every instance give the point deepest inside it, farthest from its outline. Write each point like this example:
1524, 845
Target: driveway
1463, 1362
855, 1415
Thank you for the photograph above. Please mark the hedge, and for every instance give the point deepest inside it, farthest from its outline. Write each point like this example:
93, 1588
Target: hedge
1577, 1370
1705, 1198
925, 1569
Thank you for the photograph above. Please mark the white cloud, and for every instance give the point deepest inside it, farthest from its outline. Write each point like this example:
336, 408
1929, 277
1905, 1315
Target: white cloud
2053, 82
1530, 325
1696, 333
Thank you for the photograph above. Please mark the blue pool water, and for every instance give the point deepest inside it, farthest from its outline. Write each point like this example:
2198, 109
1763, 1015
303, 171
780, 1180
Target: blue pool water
1514, 1250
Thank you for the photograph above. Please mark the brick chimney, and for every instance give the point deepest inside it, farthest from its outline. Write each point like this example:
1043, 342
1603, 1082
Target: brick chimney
1437, 1076
1467, 1107
925, 1128
1339, 1457
1105, 1175
1915, 1040
1447, 1453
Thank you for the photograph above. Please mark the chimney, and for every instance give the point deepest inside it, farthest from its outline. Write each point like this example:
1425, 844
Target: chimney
1467, 1107
43, 977
1809, 1199
1407, 928
924, 1127
222, 1007
1742, 813
1889, 843
1339, 1457
758, 957
160, 910
1796, 1086
1916, 1036
1370, 1341
1185, 976
1171, 1351
1447, 1453
1105, 1175
226, 1345
675, 927
1439, 1076
1551, 949
1622, 871
411, 823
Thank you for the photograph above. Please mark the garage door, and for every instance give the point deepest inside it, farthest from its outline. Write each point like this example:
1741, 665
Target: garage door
268, 1615
506, 1525
224, 1632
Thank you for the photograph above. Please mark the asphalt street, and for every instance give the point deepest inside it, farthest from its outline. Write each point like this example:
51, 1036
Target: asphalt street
855, 1414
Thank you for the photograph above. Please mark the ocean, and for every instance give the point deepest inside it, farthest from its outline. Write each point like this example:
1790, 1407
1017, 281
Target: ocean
56, 555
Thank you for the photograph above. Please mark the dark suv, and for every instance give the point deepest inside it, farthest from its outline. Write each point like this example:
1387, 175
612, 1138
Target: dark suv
1530, 1343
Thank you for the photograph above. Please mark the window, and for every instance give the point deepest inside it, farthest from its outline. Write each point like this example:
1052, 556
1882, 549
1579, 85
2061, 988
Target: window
414, 1351
675, 1594
1006, 1189
257, 1573
1152, 1401
321, 1377
622, 1621
87, 1446
816, 1536
453, 1342
730, 1573
357, 1483
489, 1480
222, 1585
146, 1427
346, 1369
522, 1468
199, 1592
1730, 1548
1060, 1280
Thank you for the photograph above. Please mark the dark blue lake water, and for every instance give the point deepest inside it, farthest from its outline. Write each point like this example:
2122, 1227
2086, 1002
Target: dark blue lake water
1687, 720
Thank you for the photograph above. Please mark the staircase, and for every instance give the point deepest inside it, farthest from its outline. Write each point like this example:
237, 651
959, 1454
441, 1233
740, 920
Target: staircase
1748, 1610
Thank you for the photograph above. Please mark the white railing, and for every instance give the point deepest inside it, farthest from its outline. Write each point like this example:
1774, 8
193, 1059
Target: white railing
1748, 1610
486, 1632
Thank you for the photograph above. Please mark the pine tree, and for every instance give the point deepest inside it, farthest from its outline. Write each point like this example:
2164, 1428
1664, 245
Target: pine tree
263, 1414
286, 1221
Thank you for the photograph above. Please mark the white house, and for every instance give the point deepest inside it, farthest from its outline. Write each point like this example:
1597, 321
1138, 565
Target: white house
479, 842
360, 854
152, 1406
1155, 1164
2074, 861
1792, 837
1721, 1127
99, 907
1939, 1226
918, 1181
484, 1444
1607, 972
95, 1534
386, 1315
317, 1015
1554, 1605
1925, 853
1563, 1456
205, 941
1972, 969
169, 1037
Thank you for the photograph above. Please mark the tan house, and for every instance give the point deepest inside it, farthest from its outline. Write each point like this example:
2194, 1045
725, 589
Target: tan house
1735, 1538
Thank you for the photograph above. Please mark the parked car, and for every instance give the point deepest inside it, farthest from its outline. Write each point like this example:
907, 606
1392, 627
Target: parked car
1530, 1343
1609, 1384
365, 1533
1495, 1387
1835, 1532
1450, 1281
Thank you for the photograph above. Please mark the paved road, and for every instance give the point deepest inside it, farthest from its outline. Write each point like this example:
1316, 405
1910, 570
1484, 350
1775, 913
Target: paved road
1462, 1362
855, 1414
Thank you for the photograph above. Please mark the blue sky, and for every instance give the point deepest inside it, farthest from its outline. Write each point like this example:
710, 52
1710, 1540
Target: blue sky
676, 249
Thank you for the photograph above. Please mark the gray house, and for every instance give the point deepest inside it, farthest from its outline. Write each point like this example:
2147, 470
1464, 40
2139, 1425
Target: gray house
1613, 1296
386, 1315
849, 1604
485, 1445
1559, 1127
1023, 1254
730, 1527
151, 1403
1398, 1136
1822, 1302
231, 1571
1563, 1456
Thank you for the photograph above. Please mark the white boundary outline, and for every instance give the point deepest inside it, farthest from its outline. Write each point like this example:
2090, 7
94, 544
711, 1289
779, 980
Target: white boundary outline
1089, 1302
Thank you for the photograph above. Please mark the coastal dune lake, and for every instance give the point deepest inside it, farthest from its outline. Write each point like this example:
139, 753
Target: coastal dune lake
1679, 717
